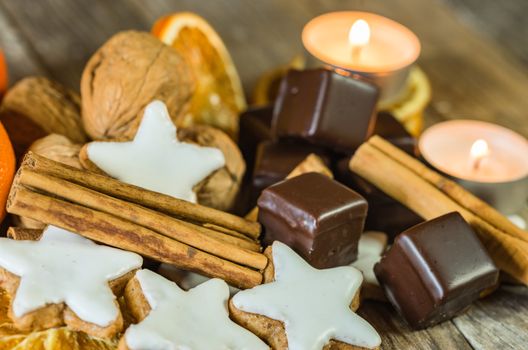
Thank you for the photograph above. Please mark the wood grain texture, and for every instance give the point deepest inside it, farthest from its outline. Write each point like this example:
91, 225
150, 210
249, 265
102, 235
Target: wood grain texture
499, 321
396, 334
21, 59
472, 77
504, 21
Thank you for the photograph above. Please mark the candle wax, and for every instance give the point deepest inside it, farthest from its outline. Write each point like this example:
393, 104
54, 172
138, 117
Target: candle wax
447, 147
391, 45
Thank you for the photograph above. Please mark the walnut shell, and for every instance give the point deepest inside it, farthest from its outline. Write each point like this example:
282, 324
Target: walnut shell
37, 106
220, 189
129, 71
60, 149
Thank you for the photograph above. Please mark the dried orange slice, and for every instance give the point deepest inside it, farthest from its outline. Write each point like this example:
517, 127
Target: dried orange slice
409, 111
51, 339
218, 98
267, 86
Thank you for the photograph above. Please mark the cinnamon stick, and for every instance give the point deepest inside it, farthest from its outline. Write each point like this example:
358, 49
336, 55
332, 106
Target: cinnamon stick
166, 225
387, 171
24, 234
312, 163
113, 231
465, 198
130, 193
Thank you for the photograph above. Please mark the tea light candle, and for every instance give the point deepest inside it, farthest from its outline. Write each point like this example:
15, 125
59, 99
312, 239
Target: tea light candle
365, 44
487, 159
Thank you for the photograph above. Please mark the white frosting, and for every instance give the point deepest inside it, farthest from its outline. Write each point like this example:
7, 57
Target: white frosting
155, 159
197, 319
371, 246
186, 279
65, 267
518, 221
314, 305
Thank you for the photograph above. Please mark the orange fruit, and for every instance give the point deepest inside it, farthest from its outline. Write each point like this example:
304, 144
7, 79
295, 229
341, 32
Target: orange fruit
7, 169
218, 98
3, 74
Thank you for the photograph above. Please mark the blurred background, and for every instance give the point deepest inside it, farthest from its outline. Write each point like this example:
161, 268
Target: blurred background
475, 52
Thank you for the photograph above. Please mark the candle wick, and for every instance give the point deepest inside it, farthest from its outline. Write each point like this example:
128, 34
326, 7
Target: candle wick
356, 53
477, 162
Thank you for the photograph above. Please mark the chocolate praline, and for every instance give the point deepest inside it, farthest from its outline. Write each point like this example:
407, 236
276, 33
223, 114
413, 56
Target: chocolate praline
276, 159
255, 127
318, 217
435, 270
325, 108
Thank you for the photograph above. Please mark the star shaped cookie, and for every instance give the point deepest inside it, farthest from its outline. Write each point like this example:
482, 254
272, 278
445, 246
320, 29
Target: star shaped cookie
371, 246
63, 267
156, 159
196, 319
314, 305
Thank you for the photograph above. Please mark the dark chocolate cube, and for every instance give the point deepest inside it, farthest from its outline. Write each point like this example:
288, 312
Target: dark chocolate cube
276, 159
393, 131
255, 127
384, 214
435, 270
325, 108
318, 217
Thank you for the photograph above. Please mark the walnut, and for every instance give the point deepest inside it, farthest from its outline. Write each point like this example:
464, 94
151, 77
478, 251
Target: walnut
129, 71
37, 106
218, 190
60, 149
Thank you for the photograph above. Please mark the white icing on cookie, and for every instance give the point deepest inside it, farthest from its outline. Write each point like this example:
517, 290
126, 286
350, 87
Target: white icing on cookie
65, 267
155, 159
371, 246
197, 319
314, 305
186, 279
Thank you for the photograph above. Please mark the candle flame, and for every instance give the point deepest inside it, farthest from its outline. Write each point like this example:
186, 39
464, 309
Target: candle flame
359, 34
479, 151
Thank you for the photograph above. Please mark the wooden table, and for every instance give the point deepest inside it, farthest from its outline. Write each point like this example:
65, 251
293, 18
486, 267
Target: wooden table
471, 78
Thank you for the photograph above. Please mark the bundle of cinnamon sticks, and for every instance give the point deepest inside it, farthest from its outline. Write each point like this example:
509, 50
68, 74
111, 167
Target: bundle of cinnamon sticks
166, 229
430, 194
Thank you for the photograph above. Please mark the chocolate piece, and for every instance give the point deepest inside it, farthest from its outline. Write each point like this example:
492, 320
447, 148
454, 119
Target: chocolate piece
318, 217
435, 270
384, 214
393, 131
275, 160
255, 127
325, 108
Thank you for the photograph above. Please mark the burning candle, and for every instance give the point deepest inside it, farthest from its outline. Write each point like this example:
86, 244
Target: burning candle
361, 43
487, 159
358, 37
479, 151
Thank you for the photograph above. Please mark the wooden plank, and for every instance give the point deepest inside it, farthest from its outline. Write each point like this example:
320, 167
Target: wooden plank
64, 34
503, 21
471, 77
499, 321
21, 60
396, 334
